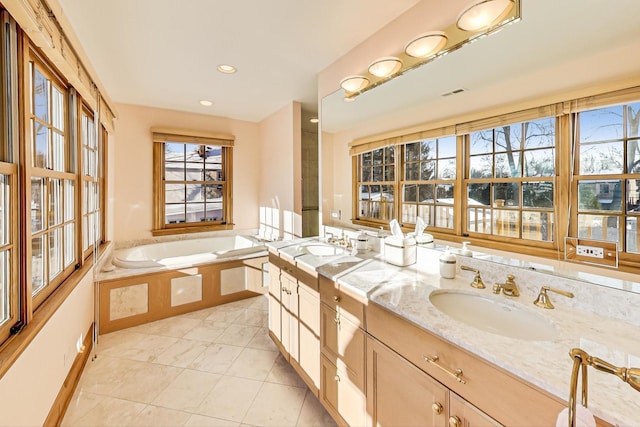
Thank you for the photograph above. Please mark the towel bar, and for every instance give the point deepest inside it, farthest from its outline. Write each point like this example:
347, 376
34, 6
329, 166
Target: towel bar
582, 359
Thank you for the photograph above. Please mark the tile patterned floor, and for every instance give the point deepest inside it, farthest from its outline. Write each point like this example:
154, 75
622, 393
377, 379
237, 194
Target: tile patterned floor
213, 367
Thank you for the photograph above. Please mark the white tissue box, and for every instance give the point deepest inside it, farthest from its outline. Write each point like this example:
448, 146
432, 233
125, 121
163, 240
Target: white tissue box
425, 240
400, 252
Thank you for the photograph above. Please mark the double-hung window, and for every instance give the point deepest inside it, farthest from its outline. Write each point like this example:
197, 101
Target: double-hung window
376, 185
52, 187
511, 180
91, 181
193, 181
607, 175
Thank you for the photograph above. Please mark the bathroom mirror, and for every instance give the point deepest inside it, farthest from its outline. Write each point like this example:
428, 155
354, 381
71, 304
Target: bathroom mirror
556, 52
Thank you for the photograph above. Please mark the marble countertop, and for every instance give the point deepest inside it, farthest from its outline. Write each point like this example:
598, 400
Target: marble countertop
547, 364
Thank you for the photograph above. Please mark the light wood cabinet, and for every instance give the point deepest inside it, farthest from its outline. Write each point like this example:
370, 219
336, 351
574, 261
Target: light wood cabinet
503, 398
343, 343
294, 318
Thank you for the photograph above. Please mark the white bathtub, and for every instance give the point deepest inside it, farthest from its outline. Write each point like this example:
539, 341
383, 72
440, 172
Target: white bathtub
181, 253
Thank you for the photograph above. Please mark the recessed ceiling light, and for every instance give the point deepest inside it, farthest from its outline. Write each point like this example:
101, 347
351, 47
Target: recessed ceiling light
226, 69
206, 103
313, 120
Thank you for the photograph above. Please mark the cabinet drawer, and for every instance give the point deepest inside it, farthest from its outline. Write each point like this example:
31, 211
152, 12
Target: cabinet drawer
342, 302
504, 397
343, 342
343, 399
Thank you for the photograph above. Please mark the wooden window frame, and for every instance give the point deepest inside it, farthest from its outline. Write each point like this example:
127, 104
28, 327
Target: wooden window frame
180, 136
357, 175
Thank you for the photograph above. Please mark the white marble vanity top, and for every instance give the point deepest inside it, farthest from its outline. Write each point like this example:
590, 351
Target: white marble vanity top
547, 364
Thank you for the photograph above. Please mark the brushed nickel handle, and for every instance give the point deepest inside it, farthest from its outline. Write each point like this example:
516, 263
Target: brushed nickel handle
457, 374
454, 421
336, 298
437, 408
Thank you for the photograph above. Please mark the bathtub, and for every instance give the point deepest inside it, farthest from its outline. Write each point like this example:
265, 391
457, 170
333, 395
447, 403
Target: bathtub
187, 252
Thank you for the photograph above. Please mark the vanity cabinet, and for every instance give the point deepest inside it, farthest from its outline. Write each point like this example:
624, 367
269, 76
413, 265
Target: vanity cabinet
343, 344
294, 318
502, 398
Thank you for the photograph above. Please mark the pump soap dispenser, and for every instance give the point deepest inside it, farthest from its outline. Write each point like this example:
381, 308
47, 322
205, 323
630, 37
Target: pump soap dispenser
447, 265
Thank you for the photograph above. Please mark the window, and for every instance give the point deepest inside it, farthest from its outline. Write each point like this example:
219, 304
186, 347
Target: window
52, 189
193, 182
511, 175
91, 182
376, 185
428, 182
608, 175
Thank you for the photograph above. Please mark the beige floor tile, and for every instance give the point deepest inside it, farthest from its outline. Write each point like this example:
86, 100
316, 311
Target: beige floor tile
156, 416
216, 358
230, 398
80, 405
145, 350
239, 335
111, 412
224, 313
207, 331
260, 303
112, 344
283, 373
144, 382
262, 341
187, 391
104, 374
276, 405
171, 327
253, 317
202, 421
181, 354
253, 363
313, 413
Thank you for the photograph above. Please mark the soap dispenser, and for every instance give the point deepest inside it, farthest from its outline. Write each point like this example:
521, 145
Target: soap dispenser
464, 250
447, 265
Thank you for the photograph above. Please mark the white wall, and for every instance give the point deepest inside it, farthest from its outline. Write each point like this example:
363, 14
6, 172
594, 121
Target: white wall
31, 385
133, 168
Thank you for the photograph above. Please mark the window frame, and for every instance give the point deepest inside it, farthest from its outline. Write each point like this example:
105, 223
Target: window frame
161, 136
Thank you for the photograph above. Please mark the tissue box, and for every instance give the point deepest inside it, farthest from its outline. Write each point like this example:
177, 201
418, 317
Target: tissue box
400, 252
425, 240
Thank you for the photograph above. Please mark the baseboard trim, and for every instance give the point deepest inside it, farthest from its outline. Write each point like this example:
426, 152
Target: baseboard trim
60, 405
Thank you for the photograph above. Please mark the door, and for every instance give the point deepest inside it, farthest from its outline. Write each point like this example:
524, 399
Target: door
464, 414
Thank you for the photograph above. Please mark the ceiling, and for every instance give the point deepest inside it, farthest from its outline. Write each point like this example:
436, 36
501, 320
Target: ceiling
164, 53
558, 47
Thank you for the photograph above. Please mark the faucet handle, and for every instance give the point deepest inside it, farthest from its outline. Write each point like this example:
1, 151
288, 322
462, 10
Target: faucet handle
477, 280
543, 299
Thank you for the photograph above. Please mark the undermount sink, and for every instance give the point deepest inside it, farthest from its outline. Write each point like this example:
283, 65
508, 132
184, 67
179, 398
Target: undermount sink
493, 316
324, 250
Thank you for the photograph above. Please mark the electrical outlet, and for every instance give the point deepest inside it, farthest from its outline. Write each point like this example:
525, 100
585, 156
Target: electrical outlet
336, 214
590, 251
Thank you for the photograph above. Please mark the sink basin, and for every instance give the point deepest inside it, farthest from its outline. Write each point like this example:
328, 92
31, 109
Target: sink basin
324, 250
493, 316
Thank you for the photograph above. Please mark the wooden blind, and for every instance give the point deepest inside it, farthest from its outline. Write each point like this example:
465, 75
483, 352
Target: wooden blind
193, 136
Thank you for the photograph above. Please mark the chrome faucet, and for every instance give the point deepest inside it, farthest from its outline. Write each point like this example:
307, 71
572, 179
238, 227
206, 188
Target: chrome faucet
509, 288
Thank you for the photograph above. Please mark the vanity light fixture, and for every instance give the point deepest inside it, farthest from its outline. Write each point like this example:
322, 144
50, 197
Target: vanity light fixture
354, 83
426, 44
206, 103
227, 69
386, 66
476, 21
482, 14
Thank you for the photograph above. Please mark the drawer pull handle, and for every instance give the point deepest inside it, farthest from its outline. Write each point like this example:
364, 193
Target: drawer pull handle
336, 378
454, 421
336, 298
437, 408
457, 374
337, 320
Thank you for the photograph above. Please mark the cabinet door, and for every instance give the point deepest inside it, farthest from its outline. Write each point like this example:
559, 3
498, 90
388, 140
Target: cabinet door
274, 281
309, 329
275, 317
343, 399
399, 394
464, 414
343, 342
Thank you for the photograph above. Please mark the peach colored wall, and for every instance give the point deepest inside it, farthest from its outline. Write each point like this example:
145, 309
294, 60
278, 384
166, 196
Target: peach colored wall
280, 134
133, 166
31, 385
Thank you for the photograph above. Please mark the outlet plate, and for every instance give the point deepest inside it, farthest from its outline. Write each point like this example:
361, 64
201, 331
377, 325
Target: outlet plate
591, 251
